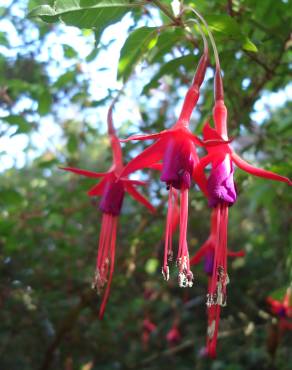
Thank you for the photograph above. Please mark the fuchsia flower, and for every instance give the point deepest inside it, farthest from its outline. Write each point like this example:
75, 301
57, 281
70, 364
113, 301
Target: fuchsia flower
214, 301
148, 328
207, 250
176, 148
111, 189
173, 336
220, 184
221, 195
283, 308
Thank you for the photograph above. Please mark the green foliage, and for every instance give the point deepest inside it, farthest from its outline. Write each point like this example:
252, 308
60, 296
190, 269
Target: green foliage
49, 228
227, 26
139, 42
83, 14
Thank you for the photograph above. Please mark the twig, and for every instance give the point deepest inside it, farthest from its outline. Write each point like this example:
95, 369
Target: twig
67, 325
230, 8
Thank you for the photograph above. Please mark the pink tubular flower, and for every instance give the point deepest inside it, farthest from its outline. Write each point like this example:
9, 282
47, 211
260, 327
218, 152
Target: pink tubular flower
221, 193
282, 308
173, 336
148, 328
176, 149
220, 183
217, 280
111, 189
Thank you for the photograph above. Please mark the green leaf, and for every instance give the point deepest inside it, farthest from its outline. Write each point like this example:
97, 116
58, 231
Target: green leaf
84, 13
69, 52
171, 68
92, 55
21, 122
249, 45
3, 39
44, 12
10, 197
45, 102
72, 144
165, 43
65, 79
226, 25
137, 44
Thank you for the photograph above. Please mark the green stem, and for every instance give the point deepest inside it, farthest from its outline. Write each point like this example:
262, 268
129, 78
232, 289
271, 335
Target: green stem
167, 12
216, 55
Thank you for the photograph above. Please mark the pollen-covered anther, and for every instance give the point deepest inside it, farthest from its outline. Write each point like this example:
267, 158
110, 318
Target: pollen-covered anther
211, 299
211, 329
221, 297
185, 276
185, 279
98, 282
165, 273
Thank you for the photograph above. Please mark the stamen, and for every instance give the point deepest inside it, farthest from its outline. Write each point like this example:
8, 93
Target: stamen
168, 234
111, 252
165, 272
170, 255
211, 329
185, 276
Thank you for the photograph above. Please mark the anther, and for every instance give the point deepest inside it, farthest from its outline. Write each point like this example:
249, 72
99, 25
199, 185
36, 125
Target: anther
165, 273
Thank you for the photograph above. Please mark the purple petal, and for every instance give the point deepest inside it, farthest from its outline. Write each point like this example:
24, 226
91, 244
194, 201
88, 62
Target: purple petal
220, 185
178, 163
209, 262
112, 198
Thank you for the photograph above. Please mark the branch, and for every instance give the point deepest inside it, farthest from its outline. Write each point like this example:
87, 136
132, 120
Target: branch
269, 73
230, 8
190, 343
66, 326
165, 10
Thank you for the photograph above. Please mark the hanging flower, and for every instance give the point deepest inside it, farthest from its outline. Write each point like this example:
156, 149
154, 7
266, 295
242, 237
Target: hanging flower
221, 193
111, 189
282, 308
215, 277
173, 336
220, 183
148, 328
176, 148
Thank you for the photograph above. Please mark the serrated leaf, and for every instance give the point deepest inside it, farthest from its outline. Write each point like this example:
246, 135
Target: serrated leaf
137, 44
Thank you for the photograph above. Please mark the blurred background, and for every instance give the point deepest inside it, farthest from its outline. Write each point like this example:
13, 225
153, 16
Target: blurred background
58, 75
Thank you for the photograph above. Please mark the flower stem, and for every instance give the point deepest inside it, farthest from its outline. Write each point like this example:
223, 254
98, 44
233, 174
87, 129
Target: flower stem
218, 83
216, 55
